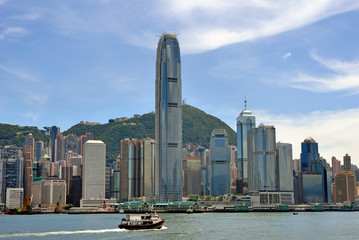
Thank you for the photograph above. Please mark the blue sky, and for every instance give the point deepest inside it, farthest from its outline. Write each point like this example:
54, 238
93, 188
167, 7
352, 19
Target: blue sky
296, 62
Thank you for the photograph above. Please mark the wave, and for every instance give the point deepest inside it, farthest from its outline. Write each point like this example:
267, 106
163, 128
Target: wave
43, 234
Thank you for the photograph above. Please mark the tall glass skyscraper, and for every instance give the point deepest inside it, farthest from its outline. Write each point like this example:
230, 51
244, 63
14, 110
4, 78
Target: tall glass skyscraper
309, 155
219, 153
245, 122
262, 166
168, 133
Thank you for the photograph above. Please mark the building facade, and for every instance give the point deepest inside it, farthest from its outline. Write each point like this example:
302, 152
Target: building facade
347, 163
219, 153
285, 167
191, 175
335, 166
262, 164
94, 163
345, 187
246, 121
168, 120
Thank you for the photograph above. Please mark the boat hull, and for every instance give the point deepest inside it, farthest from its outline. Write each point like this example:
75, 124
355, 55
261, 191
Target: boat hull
156, 225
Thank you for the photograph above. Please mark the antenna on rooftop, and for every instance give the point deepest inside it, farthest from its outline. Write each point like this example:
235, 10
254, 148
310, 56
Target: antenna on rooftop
245, 102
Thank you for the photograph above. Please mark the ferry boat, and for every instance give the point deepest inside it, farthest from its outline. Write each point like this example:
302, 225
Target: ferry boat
149, 221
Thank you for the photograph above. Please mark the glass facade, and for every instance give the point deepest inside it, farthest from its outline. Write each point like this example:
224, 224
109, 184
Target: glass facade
313, 191
219, 152
285, 167
309, 154
262, 167
168, 132
245, 122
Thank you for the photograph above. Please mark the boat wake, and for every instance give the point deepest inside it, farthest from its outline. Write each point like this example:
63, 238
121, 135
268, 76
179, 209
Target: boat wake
42, 234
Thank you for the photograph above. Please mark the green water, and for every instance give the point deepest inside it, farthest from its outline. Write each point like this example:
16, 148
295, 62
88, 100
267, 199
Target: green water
306, 225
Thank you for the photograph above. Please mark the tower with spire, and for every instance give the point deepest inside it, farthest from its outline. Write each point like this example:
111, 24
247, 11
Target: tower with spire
246, 121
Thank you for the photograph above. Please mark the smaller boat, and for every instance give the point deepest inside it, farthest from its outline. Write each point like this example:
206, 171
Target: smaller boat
295, 213
149, 221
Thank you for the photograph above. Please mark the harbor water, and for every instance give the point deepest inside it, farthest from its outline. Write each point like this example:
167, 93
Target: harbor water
285, 225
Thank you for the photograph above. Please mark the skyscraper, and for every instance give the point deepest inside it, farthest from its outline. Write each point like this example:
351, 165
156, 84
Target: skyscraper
93, 176
262, 167
285, 167
347, 163
309, 154
29, 147
168, 124
54, 131
345, 187
335, 166
219, 153
246, 121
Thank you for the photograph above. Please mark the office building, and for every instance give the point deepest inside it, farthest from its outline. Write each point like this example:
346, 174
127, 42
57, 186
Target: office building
246, 121
94, 163
47, 192
39, 149
11, 162
285, 167
15, 197
219, 153
53, 133
335, 166
315, 176
137, 169
205, 185
345, 187
262, 166
191, 176
28, 158
168, 120
347, 163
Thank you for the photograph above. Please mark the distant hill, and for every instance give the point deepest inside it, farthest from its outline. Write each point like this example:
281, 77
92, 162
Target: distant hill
15, 135
197, 129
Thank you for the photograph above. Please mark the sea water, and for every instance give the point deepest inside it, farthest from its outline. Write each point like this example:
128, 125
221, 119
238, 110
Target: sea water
305, 225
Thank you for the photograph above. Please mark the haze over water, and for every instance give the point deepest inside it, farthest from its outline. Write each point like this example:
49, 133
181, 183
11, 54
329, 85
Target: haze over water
306, 225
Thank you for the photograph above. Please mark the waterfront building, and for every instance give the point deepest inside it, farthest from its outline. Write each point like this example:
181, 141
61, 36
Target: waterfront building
205, 186
262, 166
137, 169
75, 191
316, 175
246, 121
335, 166
11, 162
347, 163
191, 176
94, 163
345, 187
28, 161
219, 153
47, 192
14, 197
168, 120
115, 185
285, 167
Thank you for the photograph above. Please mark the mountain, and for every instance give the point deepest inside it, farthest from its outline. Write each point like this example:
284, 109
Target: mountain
197, 130
15, 135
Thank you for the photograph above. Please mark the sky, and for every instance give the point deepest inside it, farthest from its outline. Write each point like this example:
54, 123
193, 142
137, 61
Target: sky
296, 62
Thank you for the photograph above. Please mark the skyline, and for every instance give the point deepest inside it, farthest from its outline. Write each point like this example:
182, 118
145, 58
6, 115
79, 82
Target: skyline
297, 64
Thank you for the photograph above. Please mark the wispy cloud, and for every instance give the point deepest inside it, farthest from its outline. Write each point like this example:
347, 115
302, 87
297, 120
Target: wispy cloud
27, 16
342, 76
326, 127
122, 84
32, 116
3, 1
204, 25
286, 55
18, 73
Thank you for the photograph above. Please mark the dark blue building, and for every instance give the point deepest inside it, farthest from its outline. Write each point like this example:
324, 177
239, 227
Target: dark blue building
310, 156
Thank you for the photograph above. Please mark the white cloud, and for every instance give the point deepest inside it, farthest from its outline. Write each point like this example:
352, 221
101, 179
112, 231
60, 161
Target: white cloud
203, 25
3, 1
326, 127
18, 73
345, 77
32, 116
14, 30
27, 16
288, 54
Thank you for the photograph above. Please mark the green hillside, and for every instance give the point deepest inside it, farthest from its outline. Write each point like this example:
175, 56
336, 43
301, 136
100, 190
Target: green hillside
197, 129
15, 135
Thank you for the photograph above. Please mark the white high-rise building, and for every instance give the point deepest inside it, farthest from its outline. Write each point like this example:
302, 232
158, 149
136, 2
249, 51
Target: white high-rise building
94, 163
